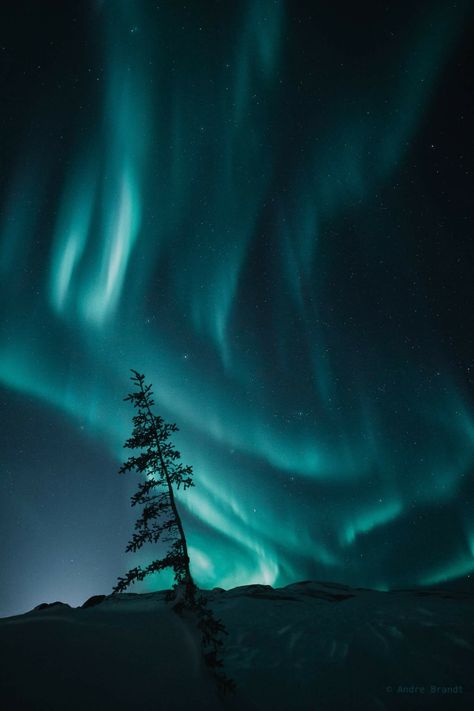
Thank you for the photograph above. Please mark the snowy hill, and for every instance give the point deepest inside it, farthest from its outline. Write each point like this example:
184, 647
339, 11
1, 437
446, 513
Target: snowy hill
309, 646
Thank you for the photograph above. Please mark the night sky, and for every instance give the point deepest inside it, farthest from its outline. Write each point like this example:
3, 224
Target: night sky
266, 207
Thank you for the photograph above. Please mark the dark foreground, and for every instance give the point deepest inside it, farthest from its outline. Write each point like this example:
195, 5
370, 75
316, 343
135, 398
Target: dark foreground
306, 647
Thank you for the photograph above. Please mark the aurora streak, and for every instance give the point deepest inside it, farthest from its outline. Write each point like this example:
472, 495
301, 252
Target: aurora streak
227, 203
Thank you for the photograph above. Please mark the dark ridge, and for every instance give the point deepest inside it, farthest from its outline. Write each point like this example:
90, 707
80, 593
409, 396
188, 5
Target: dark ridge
45, 605
94, 600
250, 589
301, 582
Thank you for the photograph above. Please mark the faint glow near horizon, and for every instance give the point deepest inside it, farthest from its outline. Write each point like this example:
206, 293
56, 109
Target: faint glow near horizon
158, 226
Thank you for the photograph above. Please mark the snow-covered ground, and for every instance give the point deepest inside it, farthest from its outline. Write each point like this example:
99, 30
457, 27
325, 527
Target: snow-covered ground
309, 646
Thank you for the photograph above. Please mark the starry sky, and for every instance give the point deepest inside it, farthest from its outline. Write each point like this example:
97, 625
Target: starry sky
266, 207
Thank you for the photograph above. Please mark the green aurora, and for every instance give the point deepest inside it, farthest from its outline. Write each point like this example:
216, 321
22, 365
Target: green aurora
225, 197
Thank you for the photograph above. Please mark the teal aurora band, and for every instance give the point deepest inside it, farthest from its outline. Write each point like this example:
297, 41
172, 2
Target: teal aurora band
263, 207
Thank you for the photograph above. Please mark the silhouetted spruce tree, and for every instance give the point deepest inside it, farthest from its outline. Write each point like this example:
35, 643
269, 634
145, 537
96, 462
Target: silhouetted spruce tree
160, 519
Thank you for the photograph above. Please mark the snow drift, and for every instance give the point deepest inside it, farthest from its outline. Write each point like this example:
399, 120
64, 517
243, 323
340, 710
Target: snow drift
309, 646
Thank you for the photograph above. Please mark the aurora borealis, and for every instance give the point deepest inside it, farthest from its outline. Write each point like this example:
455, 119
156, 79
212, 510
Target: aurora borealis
265, 206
